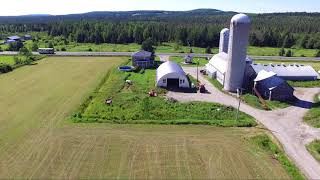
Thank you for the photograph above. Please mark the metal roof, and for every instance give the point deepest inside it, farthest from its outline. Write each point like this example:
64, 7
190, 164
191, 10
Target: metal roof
269, 79
218, 62
142, 53
168, 68
282, 70
14, 37
262, 75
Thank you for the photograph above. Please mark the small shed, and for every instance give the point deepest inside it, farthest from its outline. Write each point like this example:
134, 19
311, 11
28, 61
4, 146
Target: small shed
272, 87
27, 37
171, 75
143, 59
188, 59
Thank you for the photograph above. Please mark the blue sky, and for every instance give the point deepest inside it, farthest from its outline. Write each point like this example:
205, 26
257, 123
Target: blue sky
22, 7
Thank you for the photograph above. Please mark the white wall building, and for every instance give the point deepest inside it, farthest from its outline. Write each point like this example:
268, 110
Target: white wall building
294, 72
171, 75
217, 66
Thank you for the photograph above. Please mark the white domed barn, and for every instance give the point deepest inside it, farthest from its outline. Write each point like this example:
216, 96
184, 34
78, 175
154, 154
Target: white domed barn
171, 75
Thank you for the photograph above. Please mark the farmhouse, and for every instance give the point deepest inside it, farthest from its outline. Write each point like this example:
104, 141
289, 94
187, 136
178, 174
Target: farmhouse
272, 87
171, 75
142, 59
12, 39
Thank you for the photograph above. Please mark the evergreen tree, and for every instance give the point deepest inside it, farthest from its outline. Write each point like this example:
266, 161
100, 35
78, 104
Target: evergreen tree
147, 45
34, 46
208, 50
15, 46
282, 52
318, 53
289, 53
50, 45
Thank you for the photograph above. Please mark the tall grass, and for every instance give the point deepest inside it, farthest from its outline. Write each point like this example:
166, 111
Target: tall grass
314, 149
265, 143
313, 116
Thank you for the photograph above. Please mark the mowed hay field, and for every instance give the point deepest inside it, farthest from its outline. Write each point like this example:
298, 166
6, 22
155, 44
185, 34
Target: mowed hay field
38, 141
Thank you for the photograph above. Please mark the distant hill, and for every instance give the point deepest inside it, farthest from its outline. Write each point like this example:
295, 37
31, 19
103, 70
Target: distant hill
112, 15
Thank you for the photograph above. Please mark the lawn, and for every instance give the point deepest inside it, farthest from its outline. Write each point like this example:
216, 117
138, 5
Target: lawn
314, 149
7, 60
180, 60
38, 141
132, 105
270, 51
313, 115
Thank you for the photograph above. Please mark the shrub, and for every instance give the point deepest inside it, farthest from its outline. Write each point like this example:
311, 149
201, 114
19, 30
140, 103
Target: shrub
24, 51
63, 49
34, 46
17, 60
208, 50
4, 68
282, 52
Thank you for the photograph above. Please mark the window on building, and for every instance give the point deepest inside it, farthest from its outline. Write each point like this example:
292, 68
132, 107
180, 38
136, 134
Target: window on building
164, 80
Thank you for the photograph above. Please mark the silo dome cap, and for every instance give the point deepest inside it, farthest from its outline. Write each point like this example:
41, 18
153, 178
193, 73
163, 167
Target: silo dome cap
240, 19
225, 30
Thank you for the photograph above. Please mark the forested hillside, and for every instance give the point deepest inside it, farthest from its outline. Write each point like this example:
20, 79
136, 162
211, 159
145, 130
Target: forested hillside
195, 28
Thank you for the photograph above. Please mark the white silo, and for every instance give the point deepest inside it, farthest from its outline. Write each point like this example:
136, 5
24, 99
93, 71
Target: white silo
237, 52
224, 40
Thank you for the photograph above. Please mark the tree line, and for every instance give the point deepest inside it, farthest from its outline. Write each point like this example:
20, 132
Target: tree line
272, 30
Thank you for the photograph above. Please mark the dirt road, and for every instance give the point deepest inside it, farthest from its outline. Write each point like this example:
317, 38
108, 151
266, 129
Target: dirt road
286, 124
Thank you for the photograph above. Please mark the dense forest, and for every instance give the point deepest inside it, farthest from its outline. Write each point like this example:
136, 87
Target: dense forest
195, 28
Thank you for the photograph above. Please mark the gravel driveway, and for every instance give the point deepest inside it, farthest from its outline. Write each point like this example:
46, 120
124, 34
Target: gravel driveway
286, 124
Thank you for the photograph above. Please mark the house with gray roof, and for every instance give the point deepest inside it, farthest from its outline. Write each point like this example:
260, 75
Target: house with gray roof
12, 39
143, 59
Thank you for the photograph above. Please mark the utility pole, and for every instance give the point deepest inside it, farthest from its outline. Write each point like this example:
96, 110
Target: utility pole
239, 93
198, 70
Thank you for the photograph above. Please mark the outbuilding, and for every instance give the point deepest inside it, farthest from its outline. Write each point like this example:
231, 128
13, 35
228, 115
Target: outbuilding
171, 75
291, 72
188, 59
142, 59
272, 87
27, 37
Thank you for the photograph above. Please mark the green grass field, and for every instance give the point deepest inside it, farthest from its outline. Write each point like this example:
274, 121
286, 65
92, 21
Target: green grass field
132, 105
314, 149
164, 47
202, 61
38, 141
313, 116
